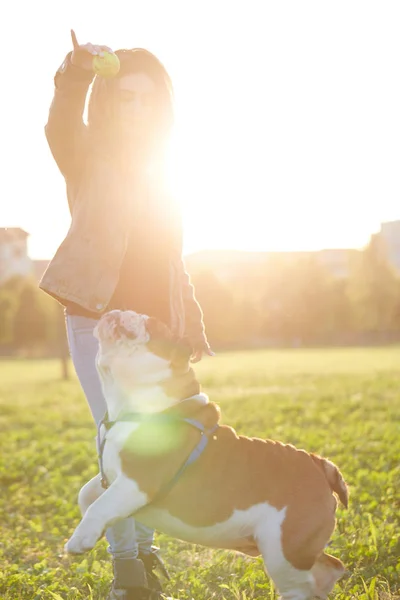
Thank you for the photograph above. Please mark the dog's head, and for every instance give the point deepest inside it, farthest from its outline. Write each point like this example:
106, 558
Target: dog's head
138, 346
121, 328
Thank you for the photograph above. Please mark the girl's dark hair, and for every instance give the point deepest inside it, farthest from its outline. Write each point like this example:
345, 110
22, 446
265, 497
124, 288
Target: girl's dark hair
103, 101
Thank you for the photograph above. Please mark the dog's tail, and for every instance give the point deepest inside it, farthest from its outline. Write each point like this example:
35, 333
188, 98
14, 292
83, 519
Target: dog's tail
334, 477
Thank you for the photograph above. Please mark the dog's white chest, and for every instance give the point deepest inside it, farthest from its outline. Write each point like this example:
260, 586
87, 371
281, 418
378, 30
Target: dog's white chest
117, 437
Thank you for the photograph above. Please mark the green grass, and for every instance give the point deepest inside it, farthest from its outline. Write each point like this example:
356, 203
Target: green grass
343, 404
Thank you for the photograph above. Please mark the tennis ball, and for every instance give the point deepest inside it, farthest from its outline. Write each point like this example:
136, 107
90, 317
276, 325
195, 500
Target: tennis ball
107, 65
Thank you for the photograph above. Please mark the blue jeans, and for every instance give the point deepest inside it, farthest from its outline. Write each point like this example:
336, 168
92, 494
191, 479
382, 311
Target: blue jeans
127, 537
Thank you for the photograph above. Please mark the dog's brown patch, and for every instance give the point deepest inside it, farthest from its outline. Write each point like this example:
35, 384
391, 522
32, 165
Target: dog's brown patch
182, 385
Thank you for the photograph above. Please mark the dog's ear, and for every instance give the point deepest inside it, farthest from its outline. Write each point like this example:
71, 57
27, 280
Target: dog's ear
162, 343
157, 330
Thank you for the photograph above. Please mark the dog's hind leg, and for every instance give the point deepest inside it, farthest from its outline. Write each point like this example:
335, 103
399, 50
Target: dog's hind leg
291, 583
326, 571
120, 500
89, 493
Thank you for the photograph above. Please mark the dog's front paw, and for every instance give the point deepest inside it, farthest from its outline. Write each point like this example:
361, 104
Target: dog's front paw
78, 544
73, 546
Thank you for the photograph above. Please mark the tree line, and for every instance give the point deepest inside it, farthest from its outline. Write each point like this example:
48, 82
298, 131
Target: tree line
291, 300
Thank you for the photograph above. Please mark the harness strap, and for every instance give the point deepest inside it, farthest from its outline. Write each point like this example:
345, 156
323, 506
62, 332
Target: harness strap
100, 450
193, 456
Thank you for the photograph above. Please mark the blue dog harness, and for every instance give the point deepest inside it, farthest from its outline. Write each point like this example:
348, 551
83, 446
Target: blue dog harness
132, 417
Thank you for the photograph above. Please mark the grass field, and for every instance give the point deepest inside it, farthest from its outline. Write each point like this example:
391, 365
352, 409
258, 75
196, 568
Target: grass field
343, 404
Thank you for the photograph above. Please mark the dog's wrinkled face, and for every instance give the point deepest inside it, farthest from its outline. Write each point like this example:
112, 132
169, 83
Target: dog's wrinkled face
129, 330
136, 349
122, 326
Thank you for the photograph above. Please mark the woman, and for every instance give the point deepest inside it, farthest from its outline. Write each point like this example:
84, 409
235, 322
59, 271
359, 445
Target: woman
124, 246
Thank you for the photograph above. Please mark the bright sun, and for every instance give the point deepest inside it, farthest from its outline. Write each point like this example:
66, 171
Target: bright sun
223, 198
250, 200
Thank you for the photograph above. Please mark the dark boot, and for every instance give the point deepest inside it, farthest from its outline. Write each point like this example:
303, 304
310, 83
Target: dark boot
152, 562
131, 583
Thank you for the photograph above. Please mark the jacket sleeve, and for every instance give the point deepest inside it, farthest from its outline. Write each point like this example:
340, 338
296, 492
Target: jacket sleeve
65, 129
194, 324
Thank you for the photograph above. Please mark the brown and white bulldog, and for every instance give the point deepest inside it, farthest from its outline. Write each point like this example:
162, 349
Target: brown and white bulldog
246, 494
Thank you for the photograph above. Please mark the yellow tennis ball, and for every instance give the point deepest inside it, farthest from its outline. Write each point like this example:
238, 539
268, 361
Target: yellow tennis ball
107, 65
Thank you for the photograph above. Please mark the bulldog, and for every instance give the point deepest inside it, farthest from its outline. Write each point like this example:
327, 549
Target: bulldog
167, 459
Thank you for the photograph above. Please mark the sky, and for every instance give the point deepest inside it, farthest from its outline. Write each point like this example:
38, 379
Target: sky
287, 115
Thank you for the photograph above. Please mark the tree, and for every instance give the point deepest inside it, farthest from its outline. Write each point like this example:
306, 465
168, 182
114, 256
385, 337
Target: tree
374, 289
216, 301
61, 341
29, 319
296, 299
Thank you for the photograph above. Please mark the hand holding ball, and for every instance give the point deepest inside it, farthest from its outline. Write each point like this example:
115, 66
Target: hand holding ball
91, 57
106, 65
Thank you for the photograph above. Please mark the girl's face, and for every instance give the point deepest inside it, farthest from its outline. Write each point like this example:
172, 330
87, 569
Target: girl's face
137, 95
